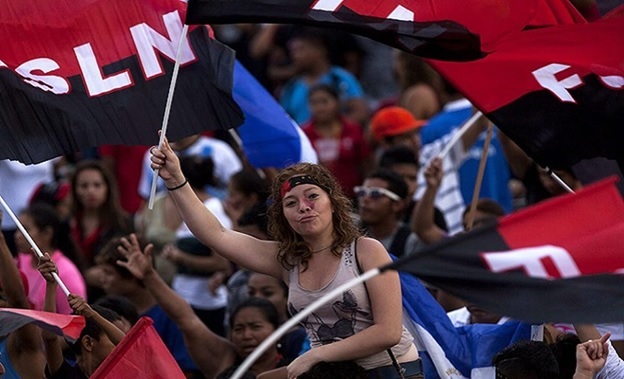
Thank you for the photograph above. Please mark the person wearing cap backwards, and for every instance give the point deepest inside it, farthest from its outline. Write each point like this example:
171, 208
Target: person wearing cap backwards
316, 248
395, 126
21, 352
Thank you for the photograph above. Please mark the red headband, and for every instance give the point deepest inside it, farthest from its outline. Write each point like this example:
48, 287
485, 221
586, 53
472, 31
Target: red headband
298, 180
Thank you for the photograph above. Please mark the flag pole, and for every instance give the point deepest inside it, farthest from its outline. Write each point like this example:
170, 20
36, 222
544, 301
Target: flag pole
293, 321
165, 122
459, 134
32, 243
559, 181
480, 173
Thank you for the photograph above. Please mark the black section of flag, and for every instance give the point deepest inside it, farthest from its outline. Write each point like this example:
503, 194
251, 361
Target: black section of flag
37, 125
456, 266
441, 39
564, 133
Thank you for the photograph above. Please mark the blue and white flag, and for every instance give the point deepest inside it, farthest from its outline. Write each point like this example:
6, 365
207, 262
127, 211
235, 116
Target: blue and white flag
270, 138
448, 352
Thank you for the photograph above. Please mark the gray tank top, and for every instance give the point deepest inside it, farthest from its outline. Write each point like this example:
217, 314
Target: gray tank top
343, 316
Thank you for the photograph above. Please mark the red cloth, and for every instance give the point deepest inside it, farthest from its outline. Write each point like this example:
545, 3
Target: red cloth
342, 156
12, 319
141, 354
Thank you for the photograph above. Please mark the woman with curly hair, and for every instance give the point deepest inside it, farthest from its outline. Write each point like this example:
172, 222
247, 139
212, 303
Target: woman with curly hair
316, 248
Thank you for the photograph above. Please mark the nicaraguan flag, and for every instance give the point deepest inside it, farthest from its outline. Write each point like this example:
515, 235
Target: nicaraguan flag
448, 352
270, 138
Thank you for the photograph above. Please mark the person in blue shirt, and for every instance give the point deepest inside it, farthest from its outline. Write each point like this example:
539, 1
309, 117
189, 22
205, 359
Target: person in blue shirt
308, 51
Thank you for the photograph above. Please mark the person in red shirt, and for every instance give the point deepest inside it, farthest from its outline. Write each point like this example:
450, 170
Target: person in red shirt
340, 144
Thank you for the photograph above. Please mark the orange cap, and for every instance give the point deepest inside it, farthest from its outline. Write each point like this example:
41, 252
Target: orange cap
393, 121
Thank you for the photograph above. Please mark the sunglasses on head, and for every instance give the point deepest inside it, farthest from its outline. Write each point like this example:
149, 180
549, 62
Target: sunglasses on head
375, 193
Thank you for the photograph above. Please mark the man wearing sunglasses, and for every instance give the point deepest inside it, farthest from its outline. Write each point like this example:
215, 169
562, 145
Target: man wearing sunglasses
380, 206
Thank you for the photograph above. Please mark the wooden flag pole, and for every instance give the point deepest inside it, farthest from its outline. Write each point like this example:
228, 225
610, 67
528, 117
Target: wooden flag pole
479, 181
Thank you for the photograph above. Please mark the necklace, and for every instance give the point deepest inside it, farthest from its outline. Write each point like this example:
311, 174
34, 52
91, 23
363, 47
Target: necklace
319, 250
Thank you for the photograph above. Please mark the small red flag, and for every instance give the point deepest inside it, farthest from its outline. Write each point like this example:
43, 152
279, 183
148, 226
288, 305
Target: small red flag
141, 354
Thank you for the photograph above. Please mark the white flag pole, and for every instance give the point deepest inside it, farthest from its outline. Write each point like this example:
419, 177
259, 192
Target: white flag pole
32, 243
165, 122
459, 134
272, 339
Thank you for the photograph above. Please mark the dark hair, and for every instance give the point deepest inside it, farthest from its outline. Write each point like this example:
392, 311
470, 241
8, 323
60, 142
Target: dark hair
44, 216
50, 193
92, 328
263, 305
526, 360
333, 92
395, 182
198, 170
121, 305
488, 206
564, 349
111, 213
110, 255
315, 36
398, 155
292, 247
256, 215
417, 71
249, 183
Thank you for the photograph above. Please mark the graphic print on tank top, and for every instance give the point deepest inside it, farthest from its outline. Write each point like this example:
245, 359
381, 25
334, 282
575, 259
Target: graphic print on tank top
345, 311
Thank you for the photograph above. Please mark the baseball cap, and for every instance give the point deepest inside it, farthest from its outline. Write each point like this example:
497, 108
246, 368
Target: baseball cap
393, 121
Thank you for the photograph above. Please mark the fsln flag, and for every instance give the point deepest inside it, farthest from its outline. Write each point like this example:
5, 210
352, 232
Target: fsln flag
561, 260
270, 137
446, 29
77, 74
140, 354
449, 352
12, 319
558, 92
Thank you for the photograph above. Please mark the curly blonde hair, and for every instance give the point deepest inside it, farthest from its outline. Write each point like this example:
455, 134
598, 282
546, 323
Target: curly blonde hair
291, 246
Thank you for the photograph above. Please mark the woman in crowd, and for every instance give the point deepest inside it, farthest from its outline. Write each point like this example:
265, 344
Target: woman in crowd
42, 224
339, 143
250, 323
96, 215
317, 247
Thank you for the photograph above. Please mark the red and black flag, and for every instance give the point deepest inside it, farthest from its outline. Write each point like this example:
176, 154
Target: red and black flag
558, 92
561, 260
441, 29
77, 74
69, 326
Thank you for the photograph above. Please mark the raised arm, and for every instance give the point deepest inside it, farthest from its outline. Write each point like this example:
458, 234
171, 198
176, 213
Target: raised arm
210, 352
52, 345
384, 292
423, 218
23, 345
204, 264
81, 307
591, 357
239, 248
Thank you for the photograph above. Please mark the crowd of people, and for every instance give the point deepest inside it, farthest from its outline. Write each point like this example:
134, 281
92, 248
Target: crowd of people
230, 252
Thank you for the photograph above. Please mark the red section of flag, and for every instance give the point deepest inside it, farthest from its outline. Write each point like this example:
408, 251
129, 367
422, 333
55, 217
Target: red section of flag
51, 30
141, 354
589, 225
70, 326
491, 20
541, 59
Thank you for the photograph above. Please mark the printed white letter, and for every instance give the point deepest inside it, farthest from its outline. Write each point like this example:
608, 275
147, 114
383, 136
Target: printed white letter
94, 79
545, 76
530, 260
147, 40
52, 83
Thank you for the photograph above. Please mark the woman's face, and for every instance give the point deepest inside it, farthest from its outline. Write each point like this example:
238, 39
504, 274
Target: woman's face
269, 288
237, 200
308, 210
323, 106
249, 329
91, 189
